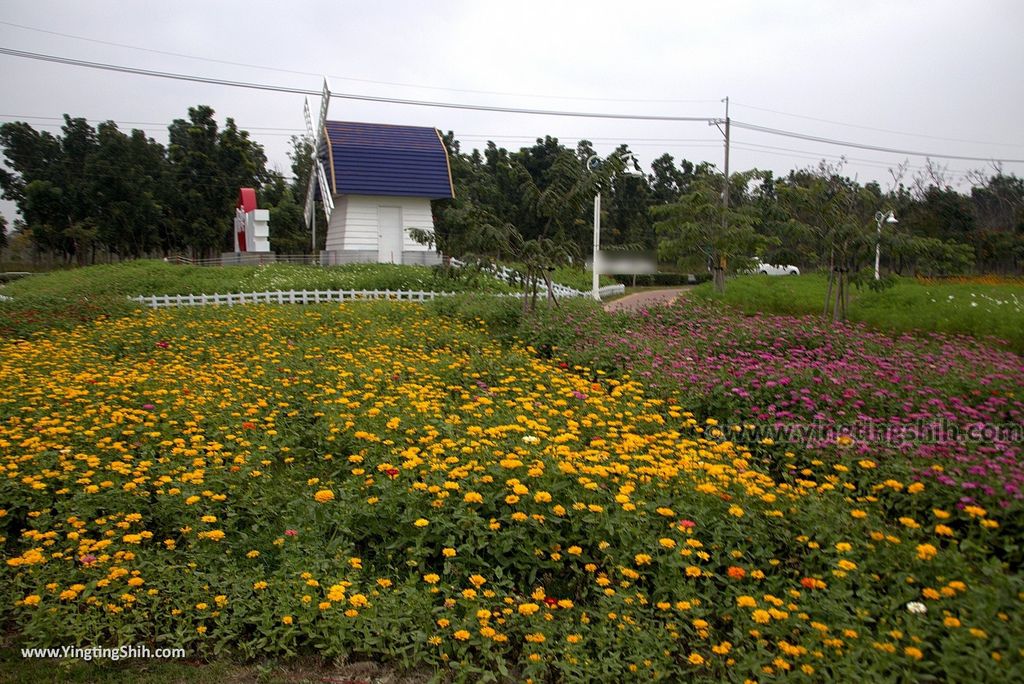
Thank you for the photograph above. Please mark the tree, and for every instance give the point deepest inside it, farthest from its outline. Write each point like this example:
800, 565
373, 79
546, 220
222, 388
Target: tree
668, 181
124, 181
208, 167
694, 227
3, 232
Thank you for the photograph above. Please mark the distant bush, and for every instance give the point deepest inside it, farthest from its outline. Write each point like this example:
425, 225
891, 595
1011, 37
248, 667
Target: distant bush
664, 279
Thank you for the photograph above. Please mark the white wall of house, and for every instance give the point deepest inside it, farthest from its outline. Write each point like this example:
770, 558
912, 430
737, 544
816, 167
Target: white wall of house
354, 224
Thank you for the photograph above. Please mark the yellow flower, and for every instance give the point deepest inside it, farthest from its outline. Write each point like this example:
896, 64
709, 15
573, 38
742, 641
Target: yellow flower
431, 578
696, 659
913, 652
421, 522
843, 547
324, 495
448, 552
477, 580
761, 616
951, 622
287, 619
693, 571
944, 530
358, 601
473, 497
528, 608
847, 565
259, 585
461, 635
857, 513
642, 559
746, 601
926, 551
667, 543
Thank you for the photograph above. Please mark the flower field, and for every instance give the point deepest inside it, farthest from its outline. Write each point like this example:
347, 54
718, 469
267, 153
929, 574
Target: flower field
374, 481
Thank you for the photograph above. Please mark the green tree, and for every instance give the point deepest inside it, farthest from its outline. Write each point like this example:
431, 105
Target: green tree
697, 225
207, 168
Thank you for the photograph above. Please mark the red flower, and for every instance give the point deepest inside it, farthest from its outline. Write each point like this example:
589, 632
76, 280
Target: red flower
391, 472
249, 425
687, 524
552, 602
808, 583
736, 572
163, 344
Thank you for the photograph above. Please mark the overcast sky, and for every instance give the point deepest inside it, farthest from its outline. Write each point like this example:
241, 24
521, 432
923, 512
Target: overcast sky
937, 76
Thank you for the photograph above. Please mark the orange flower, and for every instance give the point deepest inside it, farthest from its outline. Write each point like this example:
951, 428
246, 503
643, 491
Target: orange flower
736, 572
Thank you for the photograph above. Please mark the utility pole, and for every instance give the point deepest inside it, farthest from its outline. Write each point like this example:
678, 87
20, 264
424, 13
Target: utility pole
719, 265
725, 195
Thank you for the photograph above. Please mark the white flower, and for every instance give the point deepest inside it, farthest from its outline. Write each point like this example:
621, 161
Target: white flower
531, 439
917, 608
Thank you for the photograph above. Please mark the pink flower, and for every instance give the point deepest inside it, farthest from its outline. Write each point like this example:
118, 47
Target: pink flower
688, 524
291, 533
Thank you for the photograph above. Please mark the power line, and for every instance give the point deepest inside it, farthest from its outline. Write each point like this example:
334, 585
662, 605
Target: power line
862, 146
344, 96
872, 128
344, 78
475, 107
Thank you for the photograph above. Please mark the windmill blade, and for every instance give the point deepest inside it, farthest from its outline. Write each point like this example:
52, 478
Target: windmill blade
309, 121
307, 212
325, 102
318, 175
325, 190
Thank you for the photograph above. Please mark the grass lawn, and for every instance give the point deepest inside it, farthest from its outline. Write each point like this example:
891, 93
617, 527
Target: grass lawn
971, 309
147, 277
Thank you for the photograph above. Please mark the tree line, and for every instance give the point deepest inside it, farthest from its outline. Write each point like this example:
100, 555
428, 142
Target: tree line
93, 192
87, 192
814, 218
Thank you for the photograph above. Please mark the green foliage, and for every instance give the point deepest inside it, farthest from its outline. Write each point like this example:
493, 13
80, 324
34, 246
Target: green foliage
147, 277
698, 224
664, 279
90, 190
500, 315
983, 311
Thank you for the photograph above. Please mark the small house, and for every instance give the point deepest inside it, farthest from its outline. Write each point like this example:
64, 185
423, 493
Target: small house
382, 179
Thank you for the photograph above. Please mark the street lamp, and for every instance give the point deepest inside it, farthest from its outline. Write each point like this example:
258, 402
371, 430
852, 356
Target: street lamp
880, 218
630, 168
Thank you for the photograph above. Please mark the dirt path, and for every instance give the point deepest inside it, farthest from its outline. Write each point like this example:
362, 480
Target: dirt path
646, 299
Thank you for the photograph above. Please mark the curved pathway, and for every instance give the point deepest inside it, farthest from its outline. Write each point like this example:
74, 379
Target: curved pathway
646, 299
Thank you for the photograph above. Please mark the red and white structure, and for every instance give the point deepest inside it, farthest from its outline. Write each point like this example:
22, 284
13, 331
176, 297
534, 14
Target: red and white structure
252, 225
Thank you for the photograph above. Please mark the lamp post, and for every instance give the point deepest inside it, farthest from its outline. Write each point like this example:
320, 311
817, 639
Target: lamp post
630, 168
880, 218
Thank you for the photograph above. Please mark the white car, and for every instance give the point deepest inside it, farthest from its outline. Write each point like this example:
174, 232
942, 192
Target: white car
759, 266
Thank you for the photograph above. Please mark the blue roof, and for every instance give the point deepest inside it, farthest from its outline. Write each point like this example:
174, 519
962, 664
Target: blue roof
379, 159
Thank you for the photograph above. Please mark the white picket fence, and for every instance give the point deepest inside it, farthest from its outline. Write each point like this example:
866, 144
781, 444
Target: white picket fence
515, 278
286, 297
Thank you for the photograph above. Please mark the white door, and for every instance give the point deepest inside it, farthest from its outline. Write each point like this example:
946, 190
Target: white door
389, 235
